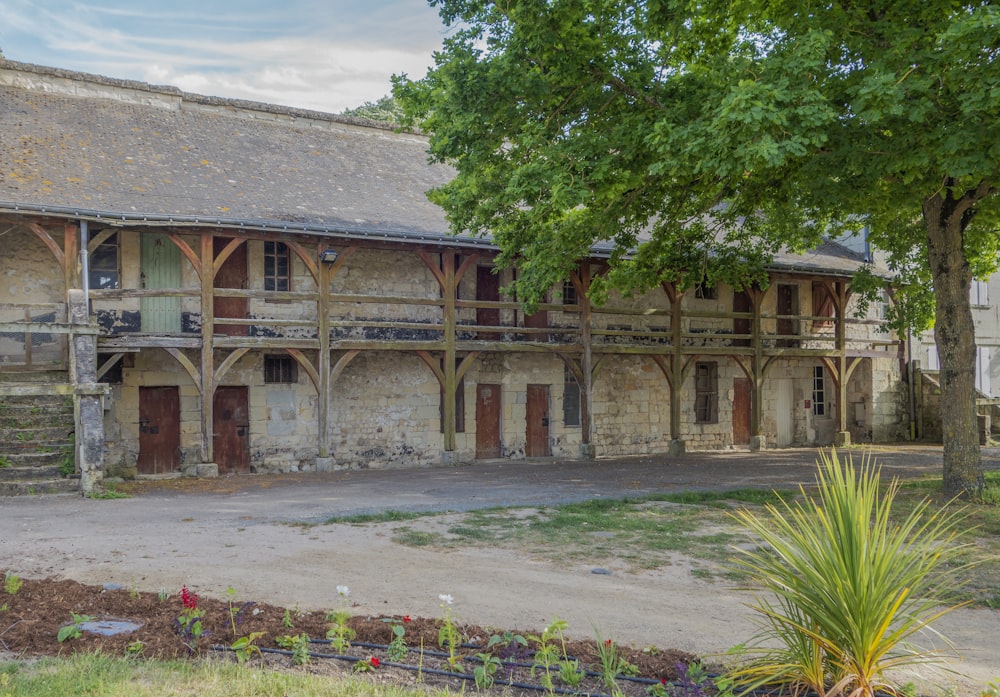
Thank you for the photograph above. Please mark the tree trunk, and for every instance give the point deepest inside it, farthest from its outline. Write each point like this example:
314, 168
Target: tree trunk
954, 331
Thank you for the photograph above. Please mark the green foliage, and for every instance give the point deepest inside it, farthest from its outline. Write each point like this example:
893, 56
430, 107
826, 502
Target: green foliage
67, 465
74, 630
486, 670
384, 109
5, 462
850, 586
12, 583
298, 645
245, 647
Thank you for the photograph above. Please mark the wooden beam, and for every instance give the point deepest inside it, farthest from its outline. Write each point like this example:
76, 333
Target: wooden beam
226, 365
190, 367
188, 253
109, 364
207, 276
43, 234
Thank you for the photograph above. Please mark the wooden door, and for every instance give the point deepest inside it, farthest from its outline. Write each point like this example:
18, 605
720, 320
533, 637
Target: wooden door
487, 288
742, 325
231, 428
788, 297
488, 421
160, 267
539, 320
232, 274
741, 411
537, 417
159, 430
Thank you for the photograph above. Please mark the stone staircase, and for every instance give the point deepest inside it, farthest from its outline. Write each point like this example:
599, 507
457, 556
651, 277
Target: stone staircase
36, 439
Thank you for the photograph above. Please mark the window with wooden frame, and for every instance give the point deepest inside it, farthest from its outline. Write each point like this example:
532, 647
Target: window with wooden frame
819, 391
103, 265
705, 292
569, 294
571, 399
280, 369
277, 267
706, 392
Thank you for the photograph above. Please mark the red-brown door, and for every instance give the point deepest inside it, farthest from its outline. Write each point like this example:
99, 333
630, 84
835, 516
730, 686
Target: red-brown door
232, 274
487, 288
231, 426
741, 411
487, 421
539, 320
159, 430
787, 304
537, 431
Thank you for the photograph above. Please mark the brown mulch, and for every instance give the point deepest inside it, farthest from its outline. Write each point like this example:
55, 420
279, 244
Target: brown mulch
31, 618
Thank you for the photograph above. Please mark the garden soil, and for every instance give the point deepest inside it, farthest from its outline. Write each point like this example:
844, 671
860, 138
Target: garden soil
255, 534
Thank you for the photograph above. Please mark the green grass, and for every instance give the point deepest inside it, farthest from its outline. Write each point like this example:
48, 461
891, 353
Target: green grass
95, 675
390, 516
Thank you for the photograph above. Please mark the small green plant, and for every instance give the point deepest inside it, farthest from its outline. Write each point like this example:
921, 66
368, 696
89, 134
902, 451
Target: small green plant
286, 620
448, 635
570, 672
74, 630
107, 493
613, 663
397, 648
245, 647
340, 634
298, 645
485, 672
12, 583
5, 462
547, 652
992, 689
135, 649
163, 596
851, 585
67, 465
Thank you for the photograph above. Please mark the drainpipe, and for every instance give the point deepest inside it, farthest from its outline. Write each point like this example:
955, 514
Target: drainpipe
85, 262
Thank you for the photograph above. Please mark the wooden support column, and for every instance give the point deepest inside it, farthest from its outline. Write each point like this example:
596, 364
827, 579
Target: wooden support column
757, 441
839, 294
450, 321
323, 275
582, 282
676, 298
207, 349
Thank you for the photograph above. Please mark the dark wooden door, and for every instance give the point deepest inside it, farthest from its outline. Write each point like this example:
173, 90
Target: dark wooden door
231, 427
159, 430
741, 411
742, 325
539, 320
537, 416
487, 288
232, 274
487, 421
788, 296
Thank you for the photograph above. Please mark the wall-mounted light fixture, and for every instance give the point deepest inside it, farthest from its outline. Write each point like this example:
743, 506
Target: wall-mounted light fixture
328, 256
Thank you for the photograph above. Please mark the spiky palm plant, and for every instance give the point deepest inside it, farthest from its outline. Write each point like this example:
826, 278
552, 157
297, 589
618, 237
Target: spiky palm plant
845, 588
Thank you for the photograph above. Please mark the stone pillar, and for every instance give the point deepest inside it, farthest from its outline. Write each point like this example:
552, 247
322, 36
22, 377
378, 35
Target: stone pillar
758, 443
89, 414
676, 447
842, 439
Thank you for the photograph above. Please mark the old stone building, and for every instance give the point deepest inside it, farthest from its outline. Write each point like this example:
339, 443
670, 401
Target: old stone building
243, 287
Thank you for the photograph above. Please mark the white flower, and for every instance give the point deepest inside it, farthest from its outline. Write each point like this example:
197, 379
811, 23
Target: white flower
343, 590
446, 599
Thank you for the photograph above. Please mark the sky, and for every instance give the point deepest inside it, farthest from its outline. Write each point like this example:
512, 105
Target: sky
327, 55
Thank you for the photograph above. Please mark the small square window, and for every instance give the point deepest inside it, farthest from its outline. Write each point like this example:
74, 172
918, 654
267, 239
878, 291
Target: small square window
280, 369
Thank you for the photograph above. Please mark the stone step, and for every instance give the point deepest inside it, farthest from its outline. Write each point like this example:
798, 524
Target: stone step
23, 473
32, 459
41, 486
38, 432
34, 377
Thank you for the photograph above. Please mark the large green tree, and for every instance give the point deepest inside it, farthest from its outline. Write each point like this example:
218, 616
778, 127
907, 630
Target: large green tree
701, 136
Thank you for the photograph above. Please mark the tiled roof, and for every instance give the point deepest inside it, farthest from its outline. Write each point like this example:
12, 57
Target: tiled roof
185, 155
88, 146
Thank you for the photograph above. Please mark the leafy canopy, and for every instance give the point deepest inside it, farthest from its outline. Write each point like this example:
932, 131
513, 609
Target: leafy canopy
654, 126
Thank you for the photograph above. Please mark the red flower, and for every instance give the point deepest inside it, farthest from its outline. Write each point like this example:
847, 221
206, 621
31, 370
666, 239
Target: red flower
374, 661
663, 681
189, 599
607, 643
406, 618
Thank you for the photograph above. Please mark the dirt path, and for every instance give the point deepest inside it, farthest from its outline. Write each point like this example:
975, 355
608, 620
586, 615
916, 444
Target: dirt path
238, 534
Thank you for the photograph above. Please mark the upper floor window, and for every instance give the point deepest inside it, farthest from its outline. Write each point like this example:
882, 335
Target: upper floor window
280, 369
277, 266
103, 264
979, 293
822, 305
705, 292
569, 294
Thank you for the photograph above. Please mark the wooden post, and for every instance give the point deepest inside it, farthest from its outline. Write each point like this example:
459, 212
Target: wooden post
756, 339
676, 298
207, 348
587, 449
450, 321
323, 330
840, 305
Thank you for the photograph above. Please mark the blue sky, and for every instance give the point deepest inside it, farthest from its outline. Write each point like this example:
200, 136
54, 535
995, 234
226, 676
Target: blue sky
317, 54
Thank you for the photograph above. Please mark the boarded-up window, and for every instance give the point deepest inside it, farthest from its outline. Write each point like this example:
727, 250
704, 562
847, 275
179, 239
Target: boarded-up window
706, 387
104, 269
822, 306
571, 399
